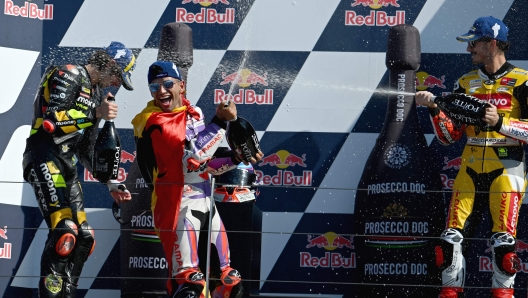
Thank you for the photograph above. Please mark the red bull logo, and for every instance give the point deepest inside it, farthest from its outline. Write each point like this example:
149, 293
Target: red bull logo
454, 163
329, 241
375, 4
5, 252
425, 80
447, 183
29, 10
319, 241
283, 159
375, 18
127, 157
3, 232
206, 2
245, 96
205, 16
244, 78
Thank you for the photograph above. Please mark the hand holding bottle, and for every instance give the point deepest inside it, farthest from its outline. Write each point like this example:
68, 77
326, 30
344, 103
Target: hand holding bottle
118, 191
491, 116
108, 108
425, 98
226, 111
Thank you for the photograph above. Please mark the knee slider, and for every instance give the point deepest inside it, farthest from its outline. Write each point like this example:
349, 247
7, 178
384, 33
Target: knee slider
64, 235
505, 260
86, 237
451, 244
230, 276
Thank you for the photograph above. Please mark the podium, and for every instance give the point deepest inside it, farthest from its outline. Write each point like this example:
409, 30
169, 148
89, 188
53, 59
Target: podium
243, 224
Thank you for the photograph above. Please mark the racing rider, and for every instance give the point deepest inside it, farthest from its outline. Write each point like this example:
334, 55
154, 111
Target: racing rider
176, 153
67, 109
492, 174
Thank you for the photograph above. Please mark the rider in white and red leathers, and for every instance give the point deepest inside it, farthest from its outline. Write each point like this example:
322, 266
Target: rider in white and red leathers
181, 193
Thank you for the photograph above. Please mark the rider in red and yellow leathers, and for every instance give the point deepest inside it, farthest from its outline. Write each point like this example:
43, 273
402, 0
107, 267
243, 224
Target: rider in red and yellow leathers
492, 174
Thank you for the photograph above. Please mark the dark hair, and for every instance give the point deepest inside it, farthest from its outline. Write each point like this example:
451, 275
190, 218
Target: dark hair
503, 45
99, 59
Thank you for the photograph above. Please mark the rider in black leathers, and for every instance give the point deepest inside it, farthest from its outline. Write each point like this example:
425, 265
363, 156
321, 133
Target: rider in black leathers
67, 109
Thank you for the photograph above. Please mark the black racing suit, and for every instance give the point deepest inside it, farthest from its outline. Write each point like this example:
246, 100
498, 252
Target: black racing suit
65, 102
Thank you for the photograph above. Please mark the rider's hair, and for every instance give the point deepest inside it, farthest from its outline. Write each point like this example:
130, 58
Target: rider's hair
99, 59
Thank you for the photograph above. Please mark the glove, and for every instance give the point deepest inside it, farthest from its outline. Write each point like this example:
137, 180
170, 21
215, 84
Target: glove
463, 108
118, 191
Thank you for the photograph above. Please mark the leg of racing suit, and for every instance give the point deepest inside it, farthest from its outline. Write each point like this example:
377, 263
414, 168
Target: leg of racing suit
231, 286
452, 264
54, 180
58, 248
85, 240
505, 194
187, 279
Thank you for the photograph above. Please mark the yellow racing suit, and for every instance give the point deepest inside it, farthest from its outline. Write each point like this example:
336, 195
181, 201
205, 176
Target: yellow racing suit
492, 174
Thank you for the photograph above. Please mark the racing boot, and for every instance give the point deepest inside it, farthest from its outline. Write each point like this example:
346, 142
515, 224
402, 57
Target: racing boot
451, 262
506, 263
231, 284
188, 284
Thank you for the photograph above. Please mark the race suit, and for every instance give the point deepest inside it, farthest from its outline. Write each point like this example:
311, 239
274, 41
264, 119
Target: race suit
175, 153
66, 103
492, 171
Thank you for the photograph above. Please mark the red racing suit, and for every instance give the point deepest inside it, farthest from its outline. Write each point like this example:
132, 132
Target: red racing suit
176, 153
66, 101
491, 177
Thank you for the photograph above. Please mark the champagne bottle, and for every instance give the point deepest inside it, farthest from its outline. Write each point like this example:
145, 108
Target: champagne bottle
462, 107
107, 152
399, 206
242, 139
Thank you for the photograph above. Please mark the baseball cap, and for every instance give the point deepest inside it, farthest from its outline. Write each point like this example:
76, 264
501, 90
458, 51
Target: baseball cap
161, 69
486, 27
125, 59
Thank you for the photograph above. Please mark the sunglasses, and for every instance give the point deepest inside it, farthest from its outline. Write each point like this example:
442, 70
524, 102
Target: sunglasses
154, 87
473, 43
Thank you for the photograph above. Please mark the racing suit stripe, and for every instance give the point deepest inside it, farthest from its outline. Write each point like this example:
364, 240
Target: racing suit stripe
59, 215
192, 239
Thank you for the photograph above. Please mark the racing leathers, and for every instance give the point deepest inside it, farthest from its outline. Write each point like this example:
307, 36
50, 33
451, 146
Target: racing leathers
491, 176
175, 154
63, 130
